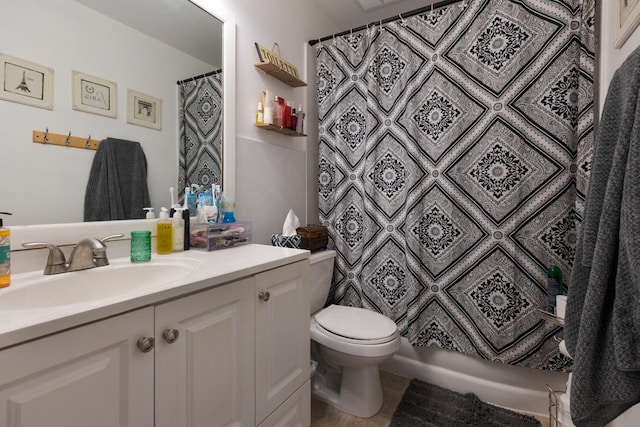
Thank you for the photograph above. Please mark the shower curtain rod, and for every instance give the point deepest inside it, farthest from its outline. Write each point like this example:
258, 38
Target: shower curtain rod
210, 73
386, 21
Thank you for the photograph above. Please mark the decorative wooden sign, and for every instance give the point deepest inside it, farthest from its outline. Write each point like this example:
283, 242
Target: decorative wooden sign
267, 55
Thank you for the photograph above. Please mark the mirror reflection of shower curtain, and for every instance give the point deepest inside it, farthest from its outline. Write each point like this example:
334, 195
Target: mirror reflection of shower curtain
200, 124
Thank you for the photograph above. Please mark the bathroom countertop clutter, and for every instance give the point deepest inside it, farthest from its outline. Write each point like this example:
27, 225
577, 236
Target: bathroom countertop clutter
36, 305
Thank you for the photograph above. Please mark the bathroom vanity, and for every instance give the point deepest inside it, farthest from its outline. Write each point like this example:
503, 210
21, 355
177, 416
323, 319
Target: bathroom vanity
225, 341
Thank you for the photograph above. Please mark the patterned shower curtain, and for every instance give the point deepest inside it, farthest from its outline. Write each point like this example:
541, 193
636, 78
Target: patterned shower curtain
200, 125
454, 154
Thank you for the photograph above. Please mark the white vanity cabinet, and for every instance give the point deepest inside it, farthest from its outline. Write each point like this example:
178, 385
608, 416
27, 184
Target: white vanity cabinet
226, 354
204, 358
282, 340
93, 375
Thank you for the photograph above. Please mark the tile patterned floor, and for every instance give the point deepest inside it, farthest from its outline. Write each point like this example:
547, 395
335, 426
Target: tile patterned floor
393, 387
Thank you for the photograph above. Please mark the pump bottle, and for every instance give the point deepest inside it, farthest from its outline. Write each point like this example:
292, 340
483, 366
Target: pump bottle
5, 254
164, 233
178, 230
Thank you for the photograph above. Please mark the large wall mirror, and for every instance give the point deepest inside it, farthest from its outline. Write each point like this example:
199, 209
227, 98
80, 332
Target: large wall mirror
143, 45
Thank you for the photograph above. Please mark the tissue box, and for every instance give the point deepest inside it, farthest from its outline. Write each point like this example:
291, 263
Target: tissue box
313, 237
285, 241
213, 236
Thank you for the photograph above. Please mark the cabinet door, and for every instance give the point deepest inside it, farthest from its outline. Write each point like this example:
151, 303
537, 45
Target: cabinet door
282, 335
294, 412
93, 375
205, 377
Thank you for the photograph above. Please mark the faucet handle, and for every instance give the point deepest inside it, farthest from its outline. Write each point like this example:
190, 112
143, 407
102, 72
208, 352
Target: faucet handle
111, 237
56, 262
100, 254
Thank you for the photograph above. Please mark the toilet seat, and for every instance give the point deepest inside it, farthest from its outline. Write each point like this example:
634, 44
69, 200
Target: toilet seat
356, 325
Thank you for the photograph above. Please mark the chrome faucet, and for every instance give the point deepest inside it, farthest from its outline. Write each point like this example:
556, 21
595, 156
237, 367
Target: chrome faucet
87, 253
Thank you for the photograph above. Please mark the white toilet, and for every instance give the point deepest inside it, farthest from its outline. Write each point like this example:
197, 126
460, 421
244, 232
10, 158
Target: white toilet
349, 344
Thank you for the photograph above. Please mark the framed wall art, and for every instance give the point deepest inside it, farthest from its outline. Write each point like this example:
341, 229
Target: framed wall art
94, 95
627, 19
26, 82
144, 110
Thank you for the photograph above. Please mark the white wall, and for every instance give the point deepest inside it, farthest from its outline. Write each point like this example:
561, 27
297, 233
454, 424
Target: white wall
612, 58
274, 173
46, 184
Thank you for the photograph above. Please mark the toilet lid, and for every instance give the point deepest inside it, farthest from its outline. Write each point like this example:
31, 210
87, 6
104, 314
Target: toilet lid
355, 323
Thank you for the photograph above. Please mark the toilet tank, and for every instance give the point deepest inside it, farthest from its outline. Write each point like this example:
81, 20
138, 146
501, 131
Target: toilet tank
320, 275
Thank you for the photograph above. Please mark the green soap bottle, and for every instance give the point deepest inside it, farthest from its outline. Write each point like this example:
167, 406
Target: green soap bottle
554, 287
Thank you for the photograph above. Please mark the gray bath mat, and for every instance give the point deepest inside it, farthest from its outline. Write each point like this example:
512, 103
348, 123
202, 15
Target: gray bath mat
428, 405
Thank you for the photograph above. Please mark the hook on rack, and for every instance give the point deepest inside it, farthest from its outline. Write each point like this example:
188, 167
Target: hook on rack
46, 135
402, 23
68, 140
87, 144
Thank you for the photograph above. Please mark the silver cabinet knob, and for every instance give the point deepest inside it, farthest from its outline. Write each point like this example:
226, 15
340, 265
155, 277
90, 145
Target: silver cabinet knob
146, 344
170, 335
264, 296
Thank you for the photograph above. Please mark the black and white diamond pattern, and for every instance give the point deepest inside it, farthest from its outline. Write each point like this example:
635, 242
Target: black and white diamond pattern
499, 300
499, 171
499, 43
200, 160
389, 175
454, 155
387, 68
435, 116
436, 231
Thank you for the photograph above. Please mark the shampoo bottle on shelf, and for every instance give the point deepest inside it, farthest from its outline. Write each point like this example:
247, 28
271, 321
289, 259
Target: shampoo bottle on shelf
164, 233
178, 230
259, 114
554, 287
300, 120
5, 254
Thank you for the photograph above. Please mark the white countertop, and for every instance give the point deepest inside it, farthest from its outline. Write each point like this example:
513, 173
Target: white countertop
210, 269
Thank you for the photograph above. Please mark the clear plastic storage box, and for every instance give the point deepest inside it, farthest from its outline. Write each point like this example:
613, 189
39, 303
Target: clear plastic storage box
213, 236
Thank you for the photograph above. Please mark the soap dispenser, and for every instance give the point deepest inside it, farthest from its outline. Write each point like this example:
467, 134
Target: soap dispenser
178, 230
149, 214
164, 233
5, 254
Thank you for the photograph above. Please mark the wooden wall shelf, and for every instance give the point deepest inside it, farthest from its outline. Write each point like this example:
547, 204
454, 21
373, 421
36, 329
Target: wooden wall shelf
283, 131
280, 74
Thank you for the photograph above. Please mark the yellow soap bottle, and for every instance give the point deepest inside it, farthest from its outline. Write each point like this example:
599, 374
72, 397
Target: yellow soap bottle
164, 233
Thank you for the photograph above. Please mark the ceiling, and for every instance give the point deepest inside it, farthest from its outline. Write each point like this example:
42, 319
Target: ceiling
178, 23
349, 14
185, 26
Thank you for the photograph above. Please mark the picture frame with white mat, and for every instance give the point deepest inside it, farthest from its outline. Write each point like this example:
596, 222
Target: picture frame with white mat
627, 20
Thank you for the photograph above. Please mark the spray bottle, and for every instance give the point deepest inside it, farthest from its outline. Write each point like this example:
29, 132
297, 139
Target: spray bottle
5, 254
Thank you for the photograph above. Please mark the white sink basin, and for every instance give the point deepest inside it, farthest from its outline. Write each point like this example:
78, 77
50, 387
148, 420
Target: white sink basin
39, 291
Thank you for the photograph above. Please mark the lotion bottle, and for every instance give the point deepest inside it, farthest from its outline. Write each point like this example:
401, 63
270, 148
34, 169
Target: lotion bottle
5, 254
178, 230
164, 233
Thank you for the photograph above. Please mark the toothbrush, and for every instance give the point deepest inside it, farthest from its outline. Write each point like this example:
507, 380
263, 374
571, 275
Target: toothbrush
172, 201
